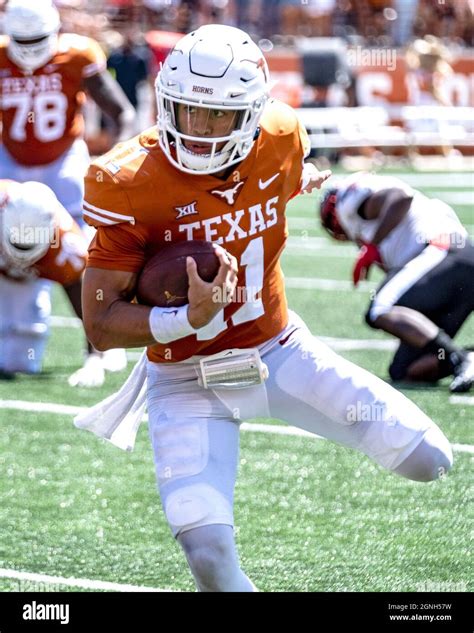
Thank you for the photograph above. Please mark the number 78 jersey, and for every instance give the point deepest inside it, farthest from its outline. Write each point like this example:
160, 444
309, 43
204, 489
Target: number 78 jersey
140, 203
41, 112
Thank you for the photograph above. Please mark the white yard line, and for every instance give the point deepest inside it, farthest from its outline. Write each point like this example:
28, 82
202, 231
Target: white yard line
317, 246
62, 409
315, 283
338, 344
350, 344
445, 181
466, 400
65, 321
463, 198
85, 583
307, 223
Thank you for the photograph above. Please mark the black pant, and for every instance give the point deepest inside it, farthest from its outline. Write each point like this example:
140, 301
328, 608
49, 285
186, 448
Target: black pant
445, 295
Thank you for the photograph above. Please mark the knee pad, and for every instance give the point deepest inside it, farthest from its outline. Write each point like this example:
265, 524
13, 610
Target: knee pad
430, 460
181, 448
196, 505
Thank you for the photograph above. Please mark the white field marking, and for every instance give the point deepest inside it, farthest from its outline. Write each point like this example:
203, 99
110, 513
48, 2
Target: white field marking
42, 407
301, 222
349, 344
65, 321
61, 409
464, 198
338, 344
468, 400
85, 583
311, 245
445, 181
313, 283
307, 223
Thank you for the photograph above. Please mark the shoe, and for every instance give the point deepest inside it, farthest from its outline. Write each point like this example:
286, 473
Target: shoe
463, 375
6, 375
114, 360
92, 374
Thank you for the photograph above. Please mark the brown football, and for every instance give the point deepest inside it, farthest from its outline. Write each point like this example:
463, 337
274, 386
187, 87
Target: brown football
163, 281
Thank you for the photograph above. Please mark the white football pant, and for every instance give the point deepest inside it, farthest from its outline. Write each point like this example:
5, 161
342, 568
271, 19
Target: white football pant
195, 435
25, 308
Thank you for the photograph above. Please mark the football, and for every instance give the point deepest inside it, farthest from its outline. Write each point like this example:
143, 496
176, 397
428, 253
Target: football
163, 281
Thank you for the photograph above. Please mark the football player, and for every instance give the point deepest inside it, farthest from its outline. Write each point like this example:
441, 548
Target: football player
428, 292
44, 76
221, 166
39, 240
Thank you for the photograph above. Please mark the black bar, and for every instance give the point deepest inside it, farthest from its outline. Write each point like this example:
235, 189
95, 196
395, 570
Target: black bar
238, 613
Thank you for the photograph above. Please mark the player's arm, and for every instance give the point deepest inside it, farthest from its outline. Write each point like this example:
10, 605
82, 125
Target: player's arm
390, 205
111, 320
111, 99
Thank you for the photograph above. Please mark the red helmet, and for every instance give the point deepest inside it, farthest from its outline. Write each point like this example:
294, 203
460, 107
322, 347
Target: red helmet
329, 219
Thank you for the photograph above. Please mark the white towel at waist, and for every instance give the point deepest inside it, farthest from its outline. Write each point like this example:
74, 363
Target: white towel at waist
118, 417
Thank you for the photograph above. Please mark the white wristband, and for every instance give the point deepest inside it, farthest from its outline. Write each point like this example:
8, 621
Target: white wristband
170, 324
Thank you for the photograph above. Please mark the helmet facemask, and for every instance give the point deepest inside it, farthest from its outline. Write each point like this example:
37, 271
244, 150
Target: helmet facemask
32, 54
231, 146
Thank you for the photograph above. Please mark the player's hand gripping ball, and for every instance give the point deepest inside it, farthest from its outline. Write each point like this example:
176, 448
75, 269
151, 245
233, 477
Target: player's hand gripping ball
163, 281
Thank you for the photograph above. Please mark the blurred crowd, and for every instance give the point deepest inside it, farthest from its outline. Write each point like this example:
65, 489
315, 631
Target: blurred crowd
364, 22
137, 34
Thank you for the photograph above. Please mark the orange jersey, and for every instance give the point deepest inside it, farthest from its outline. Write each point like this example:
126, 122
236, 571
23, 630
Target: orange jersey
41, 113
140, 203
66, 258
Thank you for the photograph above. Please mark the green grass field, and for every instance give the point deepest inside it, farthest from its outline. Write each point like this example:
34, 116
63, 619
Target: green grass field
310, 515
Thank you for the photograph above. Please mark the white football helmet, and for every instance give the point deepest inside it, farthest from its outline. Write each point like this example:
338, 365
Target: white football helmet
27, 222
216, 67
32, 26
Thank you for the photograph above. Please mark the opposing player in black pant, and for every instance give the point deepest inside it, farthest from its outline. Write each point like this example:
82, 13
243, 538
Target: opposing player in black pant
428, 292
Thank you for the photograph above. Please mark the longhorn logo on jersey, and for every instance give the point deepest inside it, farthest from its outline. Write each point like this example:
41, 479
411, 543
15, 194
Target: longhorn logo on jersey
230, 194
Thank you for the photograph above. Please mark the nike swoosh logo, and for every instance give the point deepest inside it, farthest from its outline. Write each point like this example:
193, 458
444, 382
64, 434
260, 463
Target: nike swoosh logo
263, 184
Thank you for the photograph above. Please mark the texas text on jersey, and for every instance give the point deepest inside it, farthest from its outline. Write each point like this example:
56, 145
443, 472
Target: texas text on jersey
41, 111
139, 202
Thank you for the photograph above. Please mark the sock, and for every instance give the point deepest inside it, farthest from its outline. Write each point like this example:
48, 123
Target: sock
453, 355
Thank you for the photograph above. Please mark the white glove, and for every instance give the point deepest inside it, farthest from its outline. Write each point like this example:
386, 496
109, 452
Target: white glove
312, 178
92, 373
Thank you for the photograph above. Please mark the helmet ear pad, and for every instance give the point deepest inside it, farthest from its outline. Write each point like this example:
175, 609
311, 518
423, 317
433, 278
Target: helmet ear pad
219, 68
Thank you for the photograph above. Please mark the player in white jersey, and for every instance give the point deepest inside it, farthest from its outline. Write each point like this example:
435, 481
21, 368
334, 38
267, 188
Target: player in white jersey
429, 260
